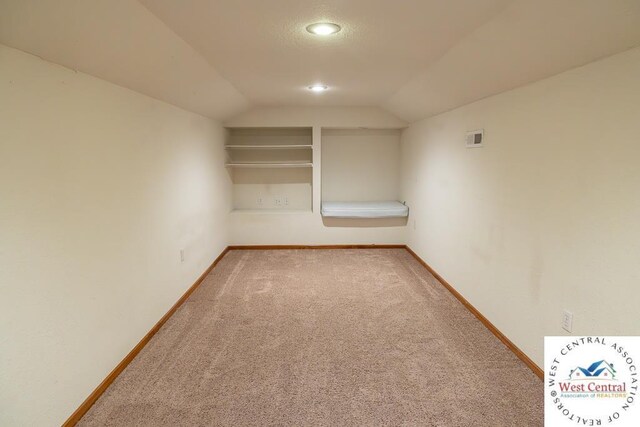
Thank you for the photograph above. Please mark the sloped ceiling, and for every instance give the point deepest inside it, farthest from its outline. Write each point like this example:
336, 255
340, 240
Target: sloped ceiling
262, 47
122, 42
526, 42
415, 58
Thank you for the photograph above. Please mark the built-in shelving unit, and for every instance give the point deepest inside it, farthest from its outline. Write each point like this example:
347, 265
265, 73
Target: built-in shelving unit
361, 175
271, 169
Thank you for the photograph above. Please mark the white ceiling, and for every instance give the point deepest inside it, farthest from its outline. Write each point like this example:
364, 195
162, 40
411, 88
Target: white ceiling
262, 47
122, 42
526, 42
415, 58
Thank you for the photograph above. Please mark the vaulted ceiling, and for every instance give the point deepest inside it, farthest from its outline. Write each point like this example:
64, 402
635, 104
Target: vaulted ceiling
415, 58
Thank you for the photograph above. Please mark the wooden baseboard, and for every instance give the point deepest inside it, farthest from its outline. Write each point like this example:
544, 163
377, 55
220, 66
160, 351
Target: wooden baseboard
276, 247
93, 397
502, 337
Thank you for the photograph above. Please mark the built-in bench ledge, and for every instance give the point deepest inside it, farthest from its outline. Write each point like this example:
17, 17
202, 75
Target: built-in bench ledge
390, 209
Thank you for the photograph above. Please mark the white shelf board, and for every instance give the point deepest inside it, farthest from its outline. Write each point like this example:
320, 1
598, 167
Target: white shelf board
268, 147
270, 165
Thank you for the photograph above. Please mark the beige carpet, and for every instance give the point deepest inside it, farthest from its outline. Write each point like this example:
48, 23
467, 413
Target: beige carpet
322, 337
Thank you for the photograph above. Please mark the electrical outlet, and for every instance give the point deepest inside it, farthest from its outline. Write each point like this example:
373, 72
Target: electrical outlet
259, 201
567, 320
286, 201
278, 201
181, 255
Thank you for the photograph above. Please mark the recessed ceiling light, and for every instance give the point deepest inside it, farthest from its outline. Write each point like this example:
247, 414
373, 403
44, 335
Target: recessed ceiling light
323, 28
318, 88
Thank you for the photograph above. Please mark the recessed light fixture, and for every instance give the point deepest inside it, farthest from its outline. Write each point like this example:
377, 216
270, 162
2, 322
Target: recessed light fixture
323, 28
318, 88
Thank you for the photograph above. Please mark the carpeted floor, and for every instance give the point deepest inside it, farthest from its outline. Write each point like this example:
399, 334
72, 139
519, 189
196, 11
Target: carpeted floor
322, 337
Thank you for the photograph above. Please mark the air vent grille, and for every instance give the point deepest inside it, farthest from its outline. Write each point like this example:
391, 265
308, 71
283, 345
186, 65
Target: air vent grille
475, 138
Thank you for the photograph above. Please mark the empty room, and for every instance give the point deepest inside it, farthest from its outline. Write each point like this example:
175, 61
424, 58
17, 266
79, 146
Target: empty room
319, 213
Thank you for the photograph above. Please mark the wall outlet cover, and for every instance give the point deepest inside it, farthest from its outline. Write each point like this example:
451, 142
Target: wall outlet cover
567, 321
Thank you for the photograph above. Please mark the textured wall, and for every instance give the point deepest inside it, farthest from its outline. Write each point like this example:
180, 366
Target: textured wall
100, 188
545, 216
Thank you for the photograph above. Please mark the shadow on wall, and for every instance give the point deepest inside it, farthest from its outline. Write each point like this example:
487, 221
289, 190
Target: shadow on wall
364, 222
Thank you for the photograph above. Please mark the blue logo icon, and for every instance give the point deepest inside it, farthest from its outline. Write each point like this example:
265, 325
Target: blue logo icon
597, 370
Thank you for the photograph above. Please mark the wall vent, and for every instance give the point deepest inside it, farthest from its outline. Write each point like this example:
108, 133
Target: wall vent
475, 138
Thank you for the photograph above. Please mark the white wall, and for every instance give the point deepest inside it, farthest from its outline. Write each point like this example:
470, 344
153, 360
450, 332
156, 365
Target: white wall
360, 165
547, 215
308, 228
100, 187
336, 117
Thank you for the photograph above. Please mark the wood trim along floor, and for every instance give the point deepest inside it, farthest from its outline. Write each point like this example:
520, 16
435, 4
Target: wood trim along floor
502, 337
272, 247
93, 397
